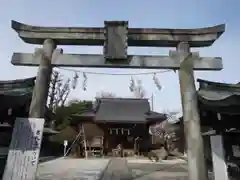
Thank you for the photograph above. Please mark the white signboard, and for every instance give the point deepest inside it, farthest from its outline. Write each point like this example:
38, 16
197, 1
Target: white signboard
24, 149
65, 143
218, 158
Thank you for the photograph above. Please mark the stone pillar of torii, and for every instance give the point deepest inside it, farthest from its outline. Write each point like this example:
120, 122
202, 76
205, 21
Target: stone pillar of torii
115, 37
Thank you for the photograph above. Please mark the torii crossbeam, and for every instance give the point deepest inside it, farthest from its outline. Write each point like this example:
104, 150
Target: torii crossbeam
98, 61
96, 36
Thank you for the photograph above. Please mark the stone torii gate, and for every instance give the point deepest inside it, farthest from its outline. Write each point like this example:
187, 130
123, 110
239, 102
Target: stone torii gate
115, 37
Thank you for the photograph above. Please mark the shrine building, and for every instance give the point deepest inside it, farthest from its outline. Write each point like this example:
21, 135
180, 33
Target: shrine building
117, 121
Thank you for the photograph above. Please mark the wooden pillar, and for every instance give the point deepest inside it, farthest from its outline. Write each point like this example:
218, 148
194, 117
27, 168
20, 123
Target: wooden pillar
135, 146
40, 93
195, 153
105, 140
79, 148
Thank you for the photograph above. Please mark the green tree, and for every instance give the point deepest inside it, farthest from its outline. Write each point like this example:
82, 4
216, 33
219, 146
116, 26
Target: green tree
63, 119
63, 113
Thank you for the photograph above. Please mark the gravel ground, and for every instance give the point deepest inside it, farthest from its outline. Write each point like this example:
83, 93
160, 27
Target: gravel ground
114, 169
125, 169
144, 171
72, 169
117, 170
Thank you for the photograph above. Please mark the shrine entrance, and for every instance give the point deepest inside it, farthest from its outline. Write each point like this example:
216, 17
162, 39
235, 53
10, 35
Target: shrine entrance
120, 136
117, 143
116, 36
124, 138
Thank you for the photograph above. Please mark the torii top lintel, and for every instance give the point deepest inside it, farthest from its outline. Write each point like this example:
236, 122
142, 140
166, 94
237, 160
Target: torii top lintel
147, 37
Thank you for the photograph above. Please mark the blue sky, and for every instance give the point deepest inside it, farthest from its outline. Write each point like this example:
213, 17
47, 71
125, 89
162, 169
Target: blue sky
150, 13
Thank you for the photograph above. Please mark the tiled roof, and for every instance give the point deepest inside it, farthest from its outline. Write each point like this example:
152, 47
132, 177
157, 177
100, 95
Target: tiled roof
124, 110
15, 93
18, 87
215, 91
219, 97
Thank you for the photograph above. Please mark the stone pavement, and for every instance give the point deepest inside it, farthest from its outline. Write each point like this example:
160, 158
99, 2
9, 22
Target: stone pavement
72, 169
143, 169
159, 171
163, 170
147, 161
114, 169
117, 170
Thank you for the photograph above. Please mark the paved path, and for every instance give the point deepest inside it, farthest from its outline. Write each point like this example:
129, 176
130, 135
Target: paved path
117, 170
114, 169
143, 171
130, 169
163, 170
72, 169
147, 161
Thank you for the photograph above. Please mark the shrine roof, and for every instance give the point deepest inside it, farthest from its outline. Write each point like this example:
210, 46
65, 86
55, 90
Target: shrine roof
15, 93
122, 110
216, 94
155, 37
155, 115
215, 91
19, 87
49, 131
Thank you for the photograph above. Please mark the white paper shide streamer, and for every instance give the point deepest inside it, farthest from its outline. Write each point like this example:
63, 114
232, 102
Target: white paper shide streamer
132, 85
75, 81
84, 84
156, 82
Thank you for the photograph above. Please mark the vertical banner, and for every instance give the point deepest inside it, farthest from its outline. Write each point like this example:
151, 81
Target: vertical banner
24, 149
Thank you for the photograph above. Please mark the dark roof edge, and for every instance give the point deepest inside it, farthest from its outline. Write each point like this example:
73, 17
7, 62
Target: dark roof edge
16, 81
119, 98
216, 84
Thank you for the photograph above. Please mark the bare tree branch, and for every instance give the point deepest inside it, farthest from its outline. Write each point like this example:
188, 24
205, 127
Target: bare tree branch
165, 132
58, 91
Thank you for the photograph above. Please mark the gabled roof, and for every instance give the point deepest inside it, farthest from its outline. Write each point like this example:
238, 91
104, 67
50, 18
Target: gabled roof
151, 115
124, 110
215, 91
219, 95
116, 109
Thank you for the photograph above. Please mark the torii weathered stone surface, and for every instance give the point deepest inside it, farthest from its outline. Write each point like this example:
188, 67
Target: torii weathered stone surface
116, 37
98, 61
145, 37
